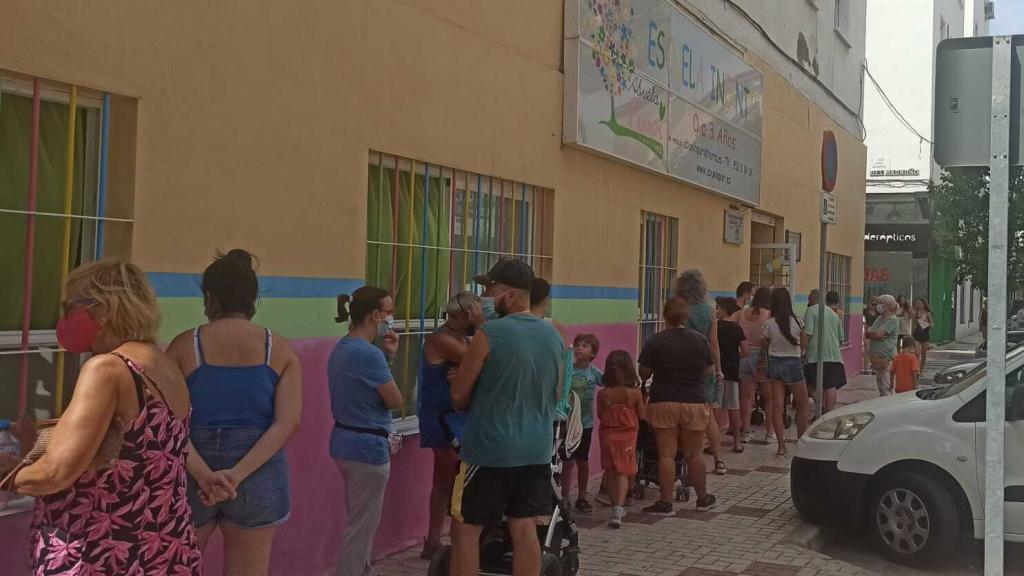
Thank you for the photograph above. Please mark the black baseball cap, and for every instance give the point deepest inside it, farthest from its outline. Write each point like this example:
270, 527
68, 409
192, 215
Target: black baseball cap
514, 273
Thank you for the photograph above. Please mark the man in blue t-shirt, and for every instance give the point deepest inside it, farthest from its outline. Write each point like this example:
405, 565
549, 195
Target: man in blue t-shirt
508, 381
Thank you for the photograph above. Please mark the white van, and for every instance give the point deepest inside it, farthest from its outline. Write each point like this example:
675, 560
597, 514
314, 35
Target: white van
910, 468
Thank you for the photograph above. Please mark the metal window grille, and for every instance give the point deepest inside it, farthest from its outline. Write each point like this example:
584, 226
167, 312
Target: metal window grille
431, 229
53, 211
838, 279
659, 263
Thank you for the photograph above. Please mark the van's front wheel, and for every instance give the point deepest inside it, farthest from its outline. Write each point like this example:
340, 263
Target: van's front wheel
914, 519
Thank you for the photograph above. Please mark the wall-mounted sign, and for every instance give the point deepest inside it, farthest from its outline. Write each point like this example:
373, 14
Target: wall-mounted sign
897, 237
796, 239
897, 173
733, 227
647, 85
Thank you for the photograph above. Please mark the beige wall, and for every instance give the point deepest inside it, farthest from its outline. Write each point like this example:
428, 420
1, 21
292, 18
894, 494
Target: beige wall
255, 119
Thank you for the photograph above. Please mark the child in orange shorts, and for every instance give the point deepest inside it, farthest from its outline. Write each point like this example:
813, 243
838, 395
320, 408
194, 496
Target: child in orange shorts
620, 407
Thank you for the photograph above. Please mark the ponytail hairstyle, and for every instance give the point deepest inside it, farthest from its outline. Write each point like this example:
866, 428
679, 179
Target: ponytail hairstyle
230, 285
360, 304
620, 371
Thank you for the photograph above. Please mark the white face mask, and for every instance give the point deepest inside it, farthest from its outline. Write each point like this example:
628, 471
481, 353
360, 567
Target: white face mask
386, 326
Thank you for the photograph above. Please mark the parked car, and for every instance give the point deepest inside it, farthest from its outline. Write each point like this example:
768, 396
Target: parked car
909, 468
1013, 337
957, 372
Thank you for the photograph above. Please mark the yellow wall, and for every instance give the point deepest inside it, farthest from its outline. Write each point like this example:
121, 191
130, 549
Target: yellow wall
255, 119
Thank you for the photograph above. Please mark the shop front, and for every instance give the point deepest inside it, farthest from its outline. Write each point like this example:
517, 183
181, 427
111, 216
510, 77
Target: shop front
896, 259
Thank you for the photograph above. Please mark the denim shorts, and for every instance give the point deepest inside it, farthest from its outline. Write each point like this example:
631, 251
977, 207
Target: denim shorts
749, 365
785, 369
264, 498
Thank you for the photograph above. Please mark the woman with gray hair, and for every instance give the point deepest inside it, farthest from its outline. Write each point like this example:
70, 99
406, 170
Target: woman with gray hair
882, 337
693, 289
443, 350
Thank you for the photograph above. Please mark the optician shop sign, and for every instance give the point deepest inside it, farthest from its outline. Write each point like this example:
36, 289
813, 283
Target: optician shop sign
897, 237
645, 84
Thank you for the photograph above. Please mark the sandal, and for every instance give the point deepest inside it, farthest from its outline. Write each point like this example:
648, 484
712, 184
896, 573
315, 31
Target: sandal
737, 448
782, 455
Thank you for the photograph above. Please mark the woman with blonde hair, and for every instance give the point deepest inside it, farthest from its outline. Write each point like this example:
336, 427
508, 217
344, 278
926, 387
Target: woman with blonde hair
101, 514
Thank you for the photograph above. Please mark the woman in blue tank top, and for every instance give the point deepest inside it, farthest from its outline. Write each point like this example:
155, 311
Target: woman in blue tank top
246, 388
442, 351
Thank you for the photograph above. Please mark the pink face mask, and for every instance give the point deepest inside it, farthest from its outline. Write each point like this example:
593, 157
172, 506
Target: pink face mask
77, 331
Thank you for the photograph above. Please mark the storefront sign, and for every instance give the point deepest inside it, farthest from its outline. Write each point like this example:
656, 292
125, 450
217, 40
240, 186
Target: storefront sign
898, 173
897, 237
647, 85
733, 227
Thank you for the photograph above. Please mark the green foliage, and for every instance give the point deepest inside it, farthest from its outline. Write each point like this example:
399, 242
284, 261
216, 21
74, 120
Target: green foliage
960, 204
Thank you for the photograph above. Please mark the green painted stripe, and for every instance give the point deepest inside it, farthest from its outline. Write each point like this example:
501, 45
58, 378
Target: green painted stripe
290, 317
573, 311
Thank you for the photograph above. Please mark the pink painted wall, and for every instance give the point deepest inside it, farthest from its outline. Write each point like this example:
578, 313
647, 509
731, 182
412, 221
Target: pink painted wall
308, 544
853, 354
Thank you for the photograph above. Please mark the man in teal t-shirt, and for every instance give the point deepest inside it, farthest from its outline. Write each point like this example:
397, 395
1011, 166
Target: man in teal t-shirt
883, 335
833, 371
508, 384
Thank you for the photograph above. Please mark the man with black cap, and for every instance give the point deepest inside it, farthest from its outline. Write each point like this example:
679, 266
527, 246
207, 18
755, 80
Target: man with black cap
508, 383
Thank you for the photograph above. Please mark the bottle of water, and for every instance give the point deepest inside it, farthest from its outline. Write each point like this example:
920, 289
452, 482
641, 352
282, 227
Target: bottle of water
8, 443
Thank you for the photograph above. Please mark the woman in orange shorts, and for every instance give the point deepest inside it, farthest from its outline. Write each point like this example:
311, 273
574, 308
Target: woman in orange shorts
680, 360
620, 406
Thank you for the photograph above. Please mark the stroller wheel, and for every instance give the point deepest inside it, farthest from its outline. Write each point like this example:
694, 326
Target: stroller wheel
550, 566
440, 564
682, 494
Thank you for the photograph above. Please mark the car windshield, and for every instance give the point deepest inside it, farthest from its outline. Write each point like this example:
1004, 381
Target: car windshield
1013, 358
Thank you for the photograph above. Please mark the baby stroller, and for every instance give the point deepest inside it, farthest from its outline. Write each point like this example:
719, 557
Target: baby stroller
647, 466
559, 538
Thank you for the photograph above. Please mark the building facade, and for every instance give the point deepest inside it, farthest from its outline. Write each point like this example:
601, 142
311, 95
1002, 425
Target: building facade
899, 255
410, 145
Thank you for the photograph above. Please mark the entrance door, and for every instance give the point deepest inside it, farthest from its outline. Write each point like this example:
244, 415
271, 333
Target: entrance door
773, 265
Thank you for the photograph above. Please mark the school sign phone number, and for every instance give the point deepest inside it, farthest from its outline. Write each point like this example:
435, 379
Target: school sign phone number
646, 84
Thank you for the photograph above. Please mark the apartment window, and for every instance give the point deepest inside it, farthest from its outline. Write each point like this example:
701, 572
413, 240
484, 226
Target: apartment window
430, 229
659, 264
843, 23
838, 279
56, 213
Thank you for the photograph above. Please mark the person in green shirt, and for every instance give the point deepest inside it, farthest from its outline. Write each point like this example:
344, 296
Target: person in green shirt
833, 371
882, 337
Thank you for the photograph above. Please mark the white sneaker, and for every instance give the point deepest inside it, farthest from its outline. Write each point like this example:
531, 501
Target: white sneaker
769, 438
747, 437
618, 513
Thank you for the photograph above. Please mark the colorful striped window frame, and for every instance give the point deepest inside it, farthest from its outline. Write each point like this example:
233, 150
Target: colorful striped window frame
61, 206
659, 265
431, 229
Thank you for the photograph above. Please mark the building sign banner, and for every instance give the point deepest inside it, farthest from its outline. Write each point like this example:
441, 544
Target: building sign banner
647, 85
897, 237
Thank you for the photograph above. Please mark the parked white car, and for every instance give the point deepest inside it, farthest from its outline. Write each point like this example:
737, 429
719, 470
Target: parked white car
910, 468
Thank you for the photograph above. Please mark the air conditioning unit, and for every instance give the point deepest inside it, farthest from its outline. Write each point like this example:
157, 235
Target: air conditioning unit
990, 10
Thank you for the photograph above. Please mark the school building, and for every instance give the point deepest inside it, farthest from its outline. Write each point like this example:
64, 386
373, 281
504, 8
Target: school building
409, 144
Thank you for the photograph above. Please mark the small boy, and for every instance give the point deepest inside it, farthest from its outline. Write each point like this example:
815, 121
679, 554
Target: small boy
585, 380
906, 368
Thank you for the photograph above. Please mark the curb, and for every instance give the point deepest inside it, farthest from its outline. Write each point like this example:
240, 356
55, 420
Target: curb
813, 537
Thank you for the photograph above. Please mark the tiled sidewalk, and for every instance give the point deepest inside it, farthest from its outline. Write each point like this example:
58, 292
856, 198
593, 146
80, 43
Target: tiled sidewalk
753, 531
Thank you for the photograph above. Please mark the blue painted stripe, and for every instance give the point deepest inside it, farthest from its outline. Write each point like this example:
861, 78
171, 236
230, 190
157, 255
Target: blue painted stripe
594, 293
182, 285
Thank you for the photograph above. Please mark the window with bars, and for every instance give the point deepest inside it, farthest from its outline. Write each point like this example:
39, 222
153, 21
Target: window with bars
430, 229
55, 214
838, 279
659, 265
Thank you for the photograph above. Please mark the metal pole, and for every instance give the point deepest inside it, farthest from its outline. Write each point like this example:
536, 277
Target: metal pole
998, 207
819, 330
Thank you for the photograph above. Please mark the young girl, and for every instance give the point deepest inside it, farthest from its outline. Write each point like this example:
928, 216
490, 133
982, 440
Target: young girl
621, 407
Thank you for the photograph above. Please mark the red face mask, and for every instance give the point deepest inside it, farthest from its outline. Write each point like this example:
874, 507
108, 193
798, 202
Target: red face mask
77, 331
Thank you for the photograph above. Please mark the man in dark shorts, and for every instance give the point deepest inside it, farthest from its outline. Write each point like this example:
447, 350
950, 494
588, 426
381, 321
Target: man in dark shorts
834, 375
508, 381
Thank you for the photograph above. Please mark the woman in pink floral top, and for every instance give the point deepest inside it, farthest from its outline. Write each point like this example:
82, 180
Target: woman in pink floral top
131, 518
